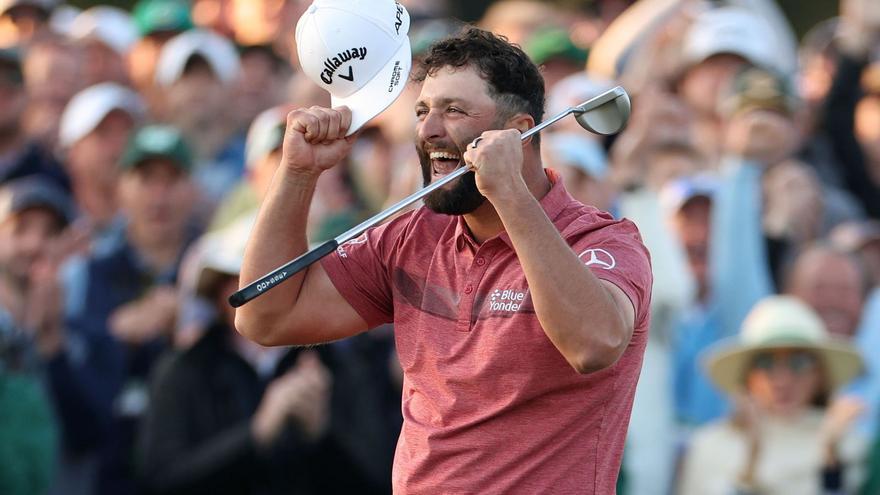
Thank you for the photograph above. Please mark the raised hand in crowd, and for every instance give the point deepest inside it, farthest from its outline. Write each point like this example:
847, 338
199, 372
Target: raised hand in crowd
747, 418
840, 417
146, 318
43, 309
301, 395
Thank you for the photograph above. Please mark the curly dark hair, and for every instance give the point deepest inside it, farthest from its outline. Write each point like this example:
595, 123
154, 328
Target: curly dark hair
515, 83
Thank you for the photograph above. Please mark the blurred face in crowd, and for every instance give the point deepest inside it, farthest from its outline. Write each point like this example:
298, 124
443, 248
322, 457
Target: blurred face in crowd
95, 157
24, 238
156, 197
28, 21
196, 98
868, 132
260, 86
453, 109
784, 382
831, 284
691, 224
102, 63
702, 84
53, 74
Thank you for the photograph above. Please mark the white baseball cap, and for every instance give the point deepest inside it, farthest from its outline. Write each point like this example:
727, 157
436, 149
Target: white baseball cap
218, 51
357, 50
265, 135
90, 106
732, 30
110, 25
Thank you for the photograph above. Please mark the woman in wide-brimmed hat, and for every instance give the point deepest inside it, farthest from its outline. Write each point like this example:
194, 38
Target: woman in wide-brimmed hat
781, 370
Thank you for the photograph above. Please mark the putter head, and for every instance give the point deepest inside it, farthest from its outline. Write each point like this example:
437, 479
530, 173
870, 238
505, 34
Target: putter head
605, 114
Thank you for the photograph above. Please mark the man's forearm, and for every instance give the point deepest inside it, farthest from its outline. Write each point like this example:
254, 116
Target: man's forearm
278, 236
577, 312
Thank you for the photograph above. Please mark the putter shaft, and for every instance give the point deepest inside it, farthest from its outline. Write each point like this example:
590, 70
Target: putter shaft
291, 268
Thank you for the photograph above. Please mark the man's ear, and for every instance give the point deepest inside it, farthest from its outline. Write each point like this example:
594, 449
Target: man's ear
521, 122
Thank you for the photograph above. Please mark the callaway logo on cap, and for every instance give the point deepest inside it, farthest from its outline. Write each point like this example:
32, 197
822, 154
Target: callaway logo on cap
358, 50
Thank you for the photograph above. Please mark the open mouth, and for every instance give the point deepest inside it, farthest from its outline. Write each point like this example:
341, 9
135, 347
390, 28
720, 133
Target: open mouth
444, 162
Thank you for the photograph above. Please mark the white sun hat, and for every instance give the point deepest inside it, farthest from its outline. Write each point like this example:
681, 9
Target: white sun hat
357, 50
781, 322
89, 107
218, 51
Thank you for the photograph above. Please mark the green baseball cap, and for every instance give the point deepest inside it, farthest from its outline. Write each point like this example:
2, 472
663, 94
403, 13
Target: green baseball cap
157, 142
554, 43
152, 16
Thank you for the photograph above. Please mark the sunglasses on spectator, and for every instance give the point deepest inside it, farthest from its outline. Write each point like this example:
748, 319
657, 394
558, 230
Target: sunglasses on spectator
796, 362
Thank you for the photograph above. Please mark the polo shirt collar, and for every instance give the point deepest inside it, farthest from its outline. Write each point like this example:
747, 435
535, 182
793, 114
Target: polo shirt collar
553, 203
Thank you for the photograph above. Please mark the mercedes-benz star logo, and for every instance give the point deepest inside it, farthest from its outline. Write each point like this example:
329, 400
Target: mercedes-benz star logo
598, 257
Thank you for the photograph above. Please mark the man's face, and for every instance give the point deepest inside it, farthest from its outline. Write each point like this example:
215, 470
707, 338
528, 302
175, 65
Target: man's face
784, 382
95, 157
196, 98
155, 196
25, 237
831, 284
691, 224
453, 109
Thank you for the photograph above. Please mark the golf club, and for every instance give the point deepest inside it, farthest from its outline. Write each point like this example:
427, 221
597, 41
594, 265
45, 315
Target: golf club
604, 114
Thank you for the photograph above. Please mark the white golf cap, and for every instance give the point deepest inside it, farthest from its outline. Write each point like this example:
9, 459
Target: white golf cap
732, 30
265, 135
89, 107
110, 25
357, 50
218, 51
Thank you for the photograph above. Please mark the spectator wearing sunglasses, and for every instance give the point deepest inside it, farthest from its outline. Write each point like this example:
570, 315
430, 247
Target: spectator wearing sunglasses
783, 437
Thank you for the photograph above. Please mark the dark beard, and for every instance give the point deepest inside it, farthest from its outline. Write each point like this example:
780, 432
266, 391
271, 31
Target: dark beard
461, 198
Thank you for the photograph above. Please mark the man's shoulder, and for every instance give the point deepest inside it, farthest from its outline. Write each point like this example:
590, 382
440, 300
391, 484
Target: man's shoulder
419, 226
578, 219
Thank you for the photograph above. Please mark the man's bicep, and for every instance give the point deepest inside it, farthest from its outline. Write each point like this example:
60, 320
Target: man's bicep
625, 307
322, 312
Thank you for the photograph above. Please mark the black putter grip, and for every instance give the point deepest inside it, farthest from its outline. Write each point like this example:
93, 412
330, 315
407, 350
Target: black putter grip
280, 274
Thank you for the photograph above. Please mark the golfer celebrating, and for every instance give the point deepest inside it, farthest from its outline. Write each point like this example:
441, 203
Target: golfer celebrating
520, 314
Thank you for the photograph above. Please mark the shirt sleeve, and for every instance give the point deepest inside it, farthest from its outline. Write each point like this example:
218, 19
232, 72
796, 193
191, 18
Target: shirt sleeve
615, 253
359, 271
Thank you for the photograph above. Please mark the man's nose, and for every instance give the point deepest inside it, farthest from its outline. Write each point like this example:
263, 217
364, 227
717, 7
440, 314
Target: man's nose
431, 126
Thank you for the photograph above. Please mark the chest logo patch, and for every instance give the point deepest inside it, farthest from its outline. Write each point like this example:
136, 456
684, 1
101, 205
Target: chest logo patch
507, 300
598, 257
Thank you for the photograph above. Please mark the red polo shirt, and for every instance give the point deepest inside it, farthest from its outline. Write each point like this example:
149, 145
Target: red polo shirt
489, 404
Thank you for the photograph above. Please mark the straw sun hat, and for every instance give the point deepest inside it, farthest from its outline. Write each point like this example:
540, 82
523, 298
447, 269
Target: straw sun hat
781, 322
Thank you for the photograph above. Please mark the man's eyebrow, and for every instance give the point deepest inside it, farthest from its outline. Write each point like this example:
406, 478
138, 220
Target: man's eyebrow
440, 102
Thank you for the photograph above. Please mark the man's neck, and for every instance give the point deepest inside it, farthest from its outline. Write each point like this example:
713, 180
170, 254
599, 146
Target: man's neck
160, 252
98, 203
484, 222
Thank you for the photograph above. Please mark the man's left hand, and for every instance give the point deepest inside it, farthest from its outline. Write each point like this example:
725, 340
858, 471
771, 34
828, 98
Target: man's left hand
497, 163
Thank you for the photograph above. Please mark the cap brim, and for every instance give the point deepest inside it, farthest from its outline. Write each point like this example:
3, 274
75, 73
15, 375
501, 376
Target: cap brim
727, 365
378, 94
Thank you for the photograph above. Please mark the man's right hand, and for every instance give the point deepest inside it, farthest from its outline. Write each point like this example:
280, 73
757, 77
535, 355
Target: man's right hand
315, 139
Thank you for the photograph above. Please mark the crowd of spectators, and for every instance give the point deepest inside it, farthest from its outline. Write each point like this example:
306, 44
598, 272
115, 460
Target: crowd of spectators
136, 147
